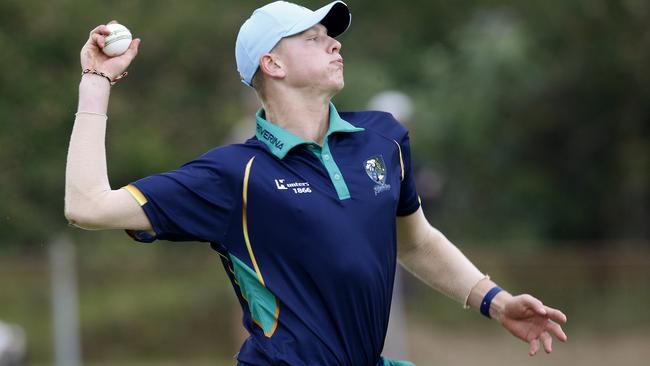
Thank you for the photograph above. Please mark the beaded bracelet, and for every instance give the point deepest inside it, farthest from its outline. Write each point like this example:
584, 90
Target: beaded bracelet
111, 81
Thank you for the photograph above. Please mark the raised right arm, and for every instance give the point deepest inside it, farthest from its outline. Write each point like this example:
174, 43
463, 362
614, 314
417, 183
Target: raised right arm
90, 202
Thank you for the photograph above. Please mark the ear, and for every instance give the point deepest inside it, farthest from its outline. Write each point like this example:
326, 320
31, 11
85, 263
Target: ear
271, 65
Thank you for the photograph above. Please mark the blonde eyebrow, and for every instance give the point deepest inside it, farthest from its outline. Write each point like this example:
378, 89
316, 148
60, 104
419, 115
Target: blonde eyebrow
315, 31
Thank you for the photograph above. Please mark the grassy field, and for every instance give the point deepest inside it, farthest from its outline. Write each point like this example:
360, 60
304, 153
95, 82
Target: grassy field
432, 348
428, 347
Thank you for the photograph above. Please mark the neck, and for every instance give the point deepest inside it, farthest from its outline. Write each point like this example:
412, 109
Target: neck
303, 115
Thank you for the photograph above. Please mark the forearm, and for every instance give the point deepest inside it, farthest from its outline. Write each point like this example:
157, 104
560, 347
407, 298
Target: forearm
94, 92
441, 265
86, 172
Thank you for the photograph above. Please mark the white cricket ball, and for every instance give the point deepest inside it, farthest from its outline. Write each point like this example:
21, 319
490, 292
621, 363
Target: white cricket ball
118, 41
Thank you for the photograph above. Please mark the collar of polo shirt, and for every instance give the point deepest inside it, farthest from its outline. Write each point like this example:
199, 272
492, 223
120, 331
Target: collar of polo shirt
280, 141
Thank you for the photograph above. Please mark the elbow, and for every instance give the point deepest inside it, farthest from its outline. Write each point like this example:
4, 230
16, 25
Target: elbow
83, 207
70, 211
415, 240
77, 217
418, 245
406, 250
82, 216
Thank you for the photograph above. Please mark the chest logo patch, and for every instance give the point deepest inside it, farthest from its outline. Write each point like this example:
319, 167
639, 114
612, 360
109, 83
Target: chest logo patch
376, 170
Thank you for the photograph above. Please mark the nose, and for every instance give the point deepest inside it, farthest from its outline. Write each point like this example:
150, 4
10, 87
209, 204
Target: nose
335, 45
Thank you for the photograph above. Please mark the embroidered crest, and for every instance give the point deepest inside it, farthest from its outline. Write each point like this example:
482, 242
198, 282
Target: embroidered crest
376, 170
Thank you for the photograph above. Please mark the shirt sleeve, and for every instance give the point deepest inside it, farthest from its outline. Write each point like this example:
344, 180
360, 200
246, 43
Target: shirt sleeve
409, 201
192, 203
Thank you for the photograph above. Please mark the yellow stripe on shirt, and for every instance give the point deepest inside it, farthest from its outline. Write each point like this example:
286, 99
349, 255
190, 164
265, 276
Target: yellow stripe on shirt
137, 194
245, 220
401, 161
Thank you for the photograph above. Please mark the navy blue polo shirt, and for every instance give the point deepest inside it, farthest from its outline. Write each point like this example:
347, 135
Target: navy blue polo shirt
306, 233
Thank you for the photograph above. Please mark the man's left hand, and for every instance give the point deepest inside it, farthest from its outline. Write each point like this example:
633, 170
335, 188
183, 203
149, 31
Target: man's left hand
531, 321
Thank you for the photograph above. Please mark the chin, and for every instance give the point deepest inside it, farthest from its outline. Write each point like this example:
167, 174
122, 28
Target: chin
338, 84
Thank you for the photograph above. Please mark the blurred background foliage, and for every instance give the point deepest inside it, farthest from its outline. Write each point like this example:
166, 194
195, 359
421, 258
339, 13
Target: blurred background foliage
531, 118
533, 114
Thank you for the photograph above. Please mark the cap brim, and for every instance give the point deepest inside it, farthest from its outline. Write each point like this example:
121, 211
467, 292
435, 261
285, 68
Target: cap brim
335, 16
337, 19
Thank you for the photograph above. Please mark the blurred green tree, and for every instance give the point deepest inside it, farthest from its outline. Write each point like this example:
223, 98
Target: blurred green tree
535, 113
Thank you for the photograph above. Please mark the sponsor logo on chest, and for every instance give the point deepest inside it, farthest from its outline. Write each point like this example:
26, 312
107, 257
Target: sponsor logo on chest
295, 187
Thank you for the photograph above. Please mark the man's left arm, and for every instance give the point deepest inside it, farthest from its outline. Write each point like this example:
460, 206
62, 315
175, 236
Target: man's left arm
431, 257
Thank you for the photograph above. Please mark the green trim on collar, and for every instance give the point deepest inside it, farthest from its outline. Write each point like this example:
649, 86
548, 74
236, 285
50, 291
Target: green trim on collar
277, 139
338, 124
280, 141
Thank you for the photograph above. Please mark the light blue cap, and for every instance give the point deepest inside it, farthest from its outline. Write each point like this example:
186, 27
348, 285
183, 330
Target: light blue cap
272, 22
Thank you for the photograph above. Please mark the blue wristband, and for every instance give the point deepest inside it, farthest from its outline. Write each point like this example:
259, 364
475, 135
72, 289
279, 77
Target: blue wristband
487, 300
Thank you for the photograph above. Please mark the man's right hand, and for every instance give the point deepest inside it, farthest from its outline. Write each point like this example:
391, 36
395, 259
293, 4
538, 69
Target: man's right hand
92, 56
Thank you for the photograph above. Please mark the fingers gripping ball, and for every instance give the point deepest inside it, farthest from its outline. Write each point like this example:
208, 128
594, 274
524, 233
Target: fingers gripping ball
118, 41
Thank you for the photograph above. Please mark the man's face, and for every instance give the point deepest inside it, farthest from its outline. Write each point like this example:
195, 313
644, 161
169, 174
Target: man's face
312, 60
